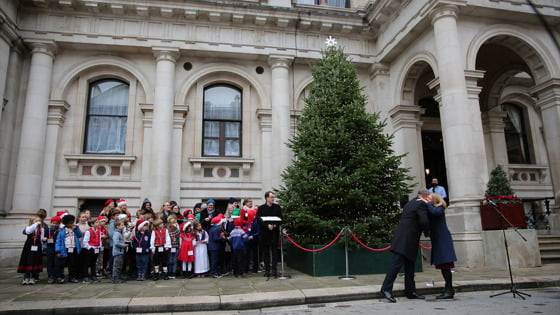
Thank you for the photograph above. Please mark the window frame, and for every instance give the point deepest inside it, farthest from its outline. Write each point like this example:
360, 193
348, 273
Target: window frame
88, 116
222, 138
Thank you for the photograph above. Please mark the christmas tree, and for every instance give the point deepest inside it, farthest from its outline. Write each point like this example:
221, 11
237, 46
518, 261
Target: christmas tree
499, 184
344, 173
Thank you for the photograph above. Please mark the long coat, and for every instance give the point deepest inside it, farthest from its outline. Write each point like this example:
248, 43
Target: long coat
414, 221
442, 244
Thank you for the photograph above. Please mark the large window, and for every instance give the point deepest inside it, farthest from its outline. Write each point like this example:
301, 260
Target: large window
222, 121
330, 3
106, 117
516, 135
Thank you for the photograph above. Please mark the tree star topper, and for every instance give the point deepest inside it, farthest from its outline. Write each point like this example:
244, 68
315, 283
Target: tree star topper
330, 41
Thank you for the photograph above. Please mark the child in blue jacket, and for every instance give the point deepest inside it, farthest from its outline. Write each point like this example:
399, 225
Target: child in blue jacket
238, 239
67, 249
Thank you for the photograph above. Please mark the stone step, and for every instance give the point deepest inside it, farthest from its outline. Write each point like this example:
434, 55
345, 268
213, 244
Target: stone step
549, 246
550, 259
550, 251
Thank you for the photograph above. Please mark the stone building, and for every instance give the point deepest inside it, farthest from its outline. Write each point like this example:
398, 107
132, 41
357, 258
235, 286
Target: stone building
186, 100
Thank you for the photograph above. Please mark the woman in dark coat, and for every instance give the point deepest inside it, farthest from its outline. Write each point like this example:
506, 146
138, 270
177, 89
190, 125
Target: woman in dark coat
443, 252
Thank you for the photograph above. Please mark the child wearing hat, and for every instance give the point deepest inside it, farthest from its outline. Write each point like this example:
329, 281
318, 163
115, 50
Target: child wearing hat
91, 250
216, 246
160, 243
31, 259
141, 245
238, 239
186, 253
67, 249
51, 234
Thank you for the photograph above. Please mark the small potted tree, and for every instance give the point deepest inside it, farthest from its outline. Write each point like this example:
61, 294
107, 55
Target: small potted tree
499, 192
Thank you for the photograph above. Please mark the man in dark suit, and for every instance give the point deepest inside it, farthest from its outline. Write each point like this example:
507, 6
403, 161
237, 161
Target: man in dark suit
270, 232
414, 221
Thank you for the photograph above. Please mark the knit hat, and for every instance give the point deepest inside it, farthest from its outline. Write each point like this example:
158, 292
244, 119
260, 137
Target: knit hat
56, 219
101, 218
140, 224
209, 201
238, 222
216, 220
190, 216
185, 225
108, 202
121, 202
187, 212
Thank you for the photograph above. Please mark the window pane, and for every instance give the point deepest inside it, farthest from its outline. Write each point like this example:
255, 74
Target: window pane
211, 147
108, 98
222, 102
212, 129
337, 3
106, 134
107, 117
232, 130
232, 148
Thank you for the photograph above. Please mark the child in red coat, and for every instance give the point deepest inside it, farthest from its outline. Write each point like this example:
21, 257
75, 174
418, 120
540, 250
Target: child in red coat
186, 253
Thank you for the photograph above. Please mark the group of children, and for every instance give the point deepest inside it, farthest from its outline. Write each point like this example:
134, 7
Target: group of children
153, 246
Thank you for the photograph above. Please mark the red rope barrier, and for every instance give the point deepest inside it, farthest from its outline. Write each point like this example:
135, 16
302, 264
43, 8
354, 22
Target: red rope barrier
364, 245
424, 247
314, 250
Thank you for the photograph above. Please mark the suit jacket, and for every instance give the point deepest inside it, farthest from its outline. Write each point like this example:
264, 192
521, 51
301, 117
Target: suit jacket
414, 221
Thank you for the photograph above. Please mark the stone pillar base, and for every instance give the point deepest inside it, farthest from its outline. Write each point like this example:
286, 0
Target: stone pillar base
12, 239
522, 254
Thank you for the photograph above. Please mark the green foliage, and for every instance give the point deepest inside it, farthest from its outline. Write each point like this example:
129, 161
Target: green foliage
345, 172
499, 184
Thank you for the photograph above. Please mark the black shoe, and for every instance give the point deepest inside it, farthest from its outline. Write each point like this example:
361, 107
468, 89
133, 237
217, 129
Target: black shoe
415, 295
165, 276
446, 295
267, 274
190, 275
387, 295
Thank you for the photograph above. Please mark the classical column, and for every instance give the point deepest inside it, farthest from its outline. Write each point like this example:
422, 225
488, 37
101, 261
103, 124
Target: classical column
162, 125
4, 62
29, 172
264, 115
179, 118
495, 139
281, 126
11, 113
461, 125
407, 130
548, 100
55, 122
465, 155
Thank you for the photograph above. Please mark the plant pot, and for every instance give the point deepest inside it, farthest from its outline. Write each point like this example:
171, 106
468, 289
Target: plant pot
513, 212
332, 262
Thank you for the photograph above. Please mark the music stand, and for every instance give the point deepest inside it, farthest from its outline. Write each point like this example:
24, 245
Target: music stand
276, 221
513, 290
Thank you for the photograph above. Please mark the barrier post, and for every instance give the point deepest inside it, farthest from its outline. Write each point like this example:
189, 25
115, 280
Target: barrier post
346, 277
283, 275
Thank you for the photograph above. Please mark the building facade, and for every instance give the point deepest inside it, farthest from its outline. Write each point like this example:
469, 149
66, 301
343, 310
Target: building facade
188, 100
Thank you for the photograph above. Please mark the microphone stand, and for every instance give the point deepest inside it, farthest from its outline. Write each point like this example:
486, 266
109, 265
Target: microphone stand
512, 289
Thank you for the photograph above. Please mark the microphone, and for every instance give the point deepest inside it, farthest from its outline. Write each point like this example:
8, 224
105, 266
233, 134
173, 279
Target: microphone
492, 203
